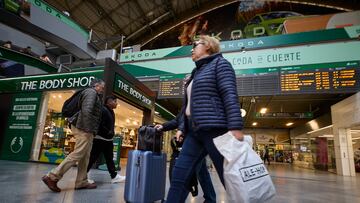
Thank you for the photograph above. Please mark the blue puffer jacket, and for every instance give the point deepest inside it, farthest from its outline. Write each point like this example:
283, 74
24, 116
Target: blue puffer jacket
214, 99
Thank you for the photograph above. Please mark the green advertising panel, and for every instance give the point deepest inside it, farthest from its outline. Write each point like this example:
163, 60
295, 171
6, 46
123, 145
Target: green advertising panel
59, 15
21, 126
49, 82
248, 44
124, 88
264, 58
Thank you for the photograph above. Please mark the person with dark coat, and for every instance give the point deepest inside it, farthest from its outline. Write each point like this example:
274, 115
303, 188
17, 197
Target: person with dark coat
212, 109
201, 173
84, 125
103, 141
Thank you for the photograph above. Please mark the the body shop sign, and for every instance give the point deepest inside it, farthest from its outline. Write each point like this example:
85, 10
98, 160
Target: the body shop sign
125, 89
49, 82
21, 126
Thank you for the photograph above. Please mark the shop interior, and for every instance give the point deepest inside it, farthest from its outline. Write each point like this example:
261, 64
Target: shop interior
315, 150
57, 139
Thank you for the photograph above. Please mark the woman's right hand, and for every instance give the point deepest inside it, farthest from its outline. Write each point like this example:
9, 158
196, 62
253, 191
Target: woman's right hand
158, 127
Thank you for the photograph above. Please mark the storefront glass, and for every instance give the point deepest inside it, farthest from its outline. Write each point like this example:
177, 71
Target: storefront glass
128, 119
57, 139
314, 152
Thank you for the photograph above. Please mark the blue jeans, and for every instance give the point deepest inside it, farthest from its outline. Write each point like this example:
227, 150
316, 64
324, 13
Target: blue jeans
196, 146
204, 178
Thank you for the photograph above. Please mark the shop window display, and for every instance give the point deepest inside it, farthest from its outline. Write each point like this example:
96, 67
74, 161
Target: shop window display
128, 119
57, 139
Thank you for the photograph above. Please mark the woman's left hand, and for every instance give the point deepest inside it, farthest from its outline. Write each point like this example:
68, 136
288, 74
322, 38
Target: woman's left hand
237, 134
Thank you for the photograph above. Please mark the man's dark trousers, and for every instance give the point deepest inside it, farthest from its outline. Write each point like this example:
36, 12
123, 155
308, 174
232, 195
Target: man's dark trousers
106, 147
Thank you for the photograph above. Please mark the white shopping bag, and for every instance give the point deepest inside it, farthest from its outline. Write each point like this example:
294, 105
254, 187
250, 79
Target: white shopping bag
246, 178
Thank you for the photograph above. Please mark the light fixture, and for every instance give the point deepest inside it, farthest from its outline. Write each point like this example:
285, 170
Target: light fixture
263, 110
54, 96
59, 96
134, 122
329, 126
127, 121
132, 132
157, 113
254, 124
243, 112
326, 136
289, 124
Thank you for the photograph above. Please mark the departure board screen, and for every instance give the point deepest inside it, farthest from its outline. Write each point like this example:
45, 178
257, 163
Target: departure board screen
325, 80
171, 86
257, 81
308, 79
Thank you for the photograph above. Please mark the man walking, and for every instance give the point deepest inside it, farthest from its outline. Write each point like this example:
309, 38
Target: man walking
84, 125
103, 141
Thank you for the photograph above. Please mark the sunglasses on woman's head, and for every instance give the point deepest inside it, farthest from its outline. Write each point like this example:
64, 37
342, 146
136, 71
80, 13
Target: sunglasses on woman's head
197, 43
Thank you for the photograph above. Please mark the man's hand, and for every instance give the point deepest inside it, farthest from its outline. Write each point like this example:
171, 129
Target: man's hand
237, 134
178, 134
158, 127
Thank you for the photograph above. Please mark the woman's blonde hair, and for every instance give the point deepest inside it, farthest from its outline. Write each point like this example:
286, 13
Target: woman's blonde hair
212, 42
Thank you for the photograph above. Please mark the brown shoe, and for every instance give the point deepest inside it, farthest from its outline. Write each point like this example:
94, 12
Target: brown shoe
88, 186
52, 185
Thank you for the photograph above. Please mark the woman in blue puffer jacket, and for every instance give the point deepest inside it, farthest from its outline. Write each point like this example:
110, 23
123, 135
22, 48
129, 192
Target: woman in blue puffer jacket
212, 108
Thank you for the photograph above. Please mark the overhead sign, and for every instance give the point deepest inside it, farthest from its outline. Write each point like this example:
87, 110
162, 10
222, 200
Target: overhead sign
245, 44
264, 58
306, 115
59, 15
49, 82
127, 90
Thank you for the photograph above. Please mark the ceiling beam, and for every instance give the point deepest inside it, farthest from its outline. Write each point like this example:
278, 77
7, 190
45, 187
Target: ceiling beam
95, 4
75, 7
108, 14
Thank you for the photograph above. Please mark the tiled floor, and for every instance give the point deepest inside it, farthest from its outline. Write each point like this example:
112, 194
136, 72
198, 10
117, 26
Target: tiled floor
21, 182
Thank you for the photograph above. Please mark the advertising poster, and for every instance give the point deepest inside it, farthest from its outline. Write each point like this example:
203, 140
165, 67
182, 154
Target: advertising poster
21, 126
240, 20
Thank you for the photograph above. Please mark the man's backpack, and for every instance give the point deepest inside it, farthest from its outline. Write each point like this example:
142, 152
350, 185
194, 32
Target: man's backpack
71, 106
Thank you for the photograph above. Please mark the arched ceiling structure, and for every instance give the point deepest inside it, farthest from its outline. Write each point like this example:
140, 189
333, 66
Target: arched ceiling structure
142, 21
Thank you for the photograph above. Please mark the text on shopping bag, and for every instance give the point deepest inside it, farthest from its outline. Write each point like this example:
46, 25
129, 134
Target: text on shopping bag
253, 172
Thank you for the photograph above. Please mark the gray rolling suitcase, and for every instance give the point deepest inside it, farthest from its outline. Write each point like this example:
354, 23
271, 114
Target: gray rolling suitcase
145, 176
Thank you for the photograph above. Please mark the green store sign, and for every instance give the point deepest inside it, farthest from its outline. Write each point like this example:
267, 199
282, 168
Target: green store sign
59, 15
124, 88
49, 82
21, 126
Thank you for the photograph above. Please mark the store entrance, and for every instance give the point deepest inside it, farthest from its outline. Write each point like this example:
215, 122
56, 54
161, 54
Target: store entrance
57, 140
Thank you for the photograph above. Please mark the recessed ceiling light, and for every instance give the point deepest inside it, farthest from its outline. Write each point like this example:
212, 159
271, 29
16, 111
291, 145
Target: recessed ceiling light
289, 124
254, 123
